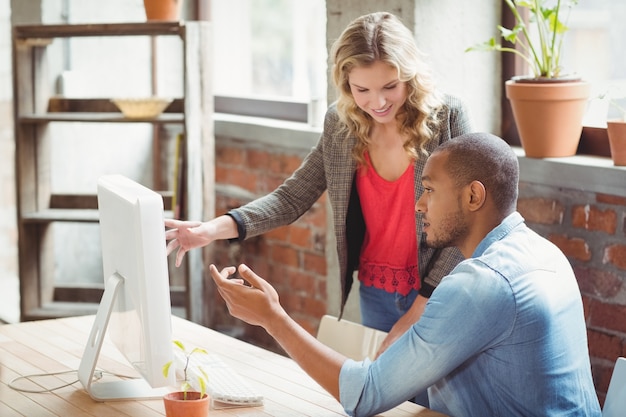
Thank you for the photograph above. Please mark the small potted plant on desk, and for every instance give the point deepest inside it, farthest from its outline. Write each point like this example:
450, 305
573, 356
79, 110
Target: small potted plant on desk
187, 403
548, 106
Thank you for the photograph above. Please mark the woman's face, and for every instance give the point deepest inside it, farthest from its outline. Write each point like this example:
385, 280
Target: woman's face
378, 91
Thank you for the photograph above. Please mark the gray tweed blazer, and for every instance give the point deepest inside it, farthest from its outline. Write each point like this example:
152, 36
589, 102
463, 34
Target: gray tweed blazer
330, 166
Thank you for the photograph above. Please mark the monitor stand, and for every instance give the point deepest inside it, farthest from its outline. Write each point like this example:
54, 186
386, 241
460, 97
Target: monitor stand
127, 389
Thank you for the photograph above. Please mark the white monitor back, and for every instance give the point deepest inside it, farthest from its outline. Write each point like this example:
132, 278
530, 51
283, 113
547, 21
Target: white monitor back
135, 307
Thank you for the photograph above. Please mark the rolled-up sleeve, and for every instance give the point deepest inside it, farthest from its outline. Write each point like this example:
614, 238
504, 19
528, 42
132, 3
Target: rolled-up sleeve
367, 388
351, 382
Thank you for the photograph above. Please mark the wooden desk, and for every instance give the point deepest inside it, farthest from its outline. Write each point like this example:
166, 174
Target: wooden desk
47, 346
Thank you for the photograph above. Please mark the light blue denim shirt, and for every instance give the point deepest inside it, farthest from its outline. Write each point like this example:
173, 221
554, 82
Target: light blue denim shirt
502, 335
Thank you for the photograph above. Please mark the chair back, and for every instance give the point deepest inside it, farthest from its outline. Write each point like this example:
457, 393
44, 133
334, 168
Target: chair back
615, 401
350, 339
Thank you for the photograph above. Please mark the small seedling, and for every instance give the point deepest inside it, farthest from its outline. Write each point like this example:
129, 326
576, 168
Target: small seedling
201, 376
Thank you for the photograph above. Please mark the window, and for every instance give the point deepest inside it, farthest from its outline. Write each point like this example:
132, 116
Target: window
594, 49
269, 51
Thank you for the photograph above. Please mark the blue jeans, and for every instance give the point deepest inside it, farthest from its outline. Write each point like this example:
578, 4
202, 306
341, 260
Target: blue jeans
381, 310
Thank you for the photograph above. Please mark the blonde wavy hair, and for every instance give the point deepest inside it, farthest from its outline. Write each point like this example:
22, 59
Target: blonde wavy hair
383, 37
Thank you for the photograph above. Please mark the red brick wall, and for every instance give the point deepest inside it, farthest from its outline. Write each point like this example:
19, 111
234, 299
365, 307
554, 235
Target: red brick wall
590, 229
292, 257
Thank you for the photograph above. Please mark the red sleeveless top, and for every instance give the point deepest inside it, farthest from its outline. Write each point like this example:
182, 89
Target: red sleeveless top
389, 253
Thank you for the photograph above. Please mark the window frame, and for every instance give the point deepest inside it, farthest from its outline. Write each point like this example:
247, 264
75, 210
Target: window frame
252, 106
288, 110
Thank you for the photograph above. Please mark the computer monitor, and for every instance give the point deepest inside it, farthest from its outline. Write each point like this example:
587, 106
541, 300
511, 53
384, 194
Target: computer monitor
135, 309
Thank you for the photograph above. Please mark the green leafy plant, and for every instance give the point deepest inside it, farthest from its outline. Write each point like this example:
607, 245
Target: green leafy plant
543, 52
201, 376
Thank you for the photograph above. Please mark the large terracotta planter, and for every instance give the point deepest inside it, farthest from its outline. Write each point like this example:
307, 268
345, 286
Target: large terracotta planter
193, 406
548, 115
162, 10
616, 130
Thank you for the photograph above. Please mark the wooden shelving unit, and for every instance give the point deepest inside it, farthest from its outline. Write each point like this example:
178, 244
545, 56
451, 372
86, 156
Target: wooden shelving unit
38, 208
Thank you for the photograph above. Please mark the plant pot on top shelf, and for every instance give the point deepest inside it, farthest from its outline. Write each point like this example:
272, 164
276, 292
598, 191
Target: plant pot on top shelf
162, 10
548, 107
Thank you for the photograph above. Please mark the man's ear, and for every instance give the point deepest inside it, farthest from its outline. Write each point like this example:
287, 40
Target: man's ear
477, 195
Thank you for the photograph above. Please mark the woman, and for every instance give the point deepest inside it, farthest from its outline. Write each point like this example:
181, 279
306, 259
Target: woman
370, 158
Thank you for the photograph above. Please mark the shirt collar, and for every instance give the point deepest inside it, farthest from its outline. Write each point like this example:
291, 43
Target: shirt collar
509, 223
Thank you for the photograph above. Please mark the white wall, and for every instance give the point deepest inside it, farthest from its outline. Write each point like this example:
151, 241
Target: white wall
9, 308
444, 29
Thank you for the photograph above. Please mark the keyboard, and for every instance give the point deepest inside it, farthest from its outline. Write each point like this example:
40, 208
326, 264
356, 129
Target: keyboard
226, 387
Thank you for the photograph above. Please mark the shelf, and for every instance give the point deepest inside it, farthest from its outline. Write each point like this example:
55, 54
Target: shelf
35, 32
97, 110
165, 118
53, 310
40, 209
69, 215
58, 309
61, 215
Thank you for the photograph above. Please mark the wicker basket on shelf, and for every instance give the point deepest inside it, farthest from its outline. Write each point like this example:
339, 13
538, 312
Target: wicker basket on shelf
142, 108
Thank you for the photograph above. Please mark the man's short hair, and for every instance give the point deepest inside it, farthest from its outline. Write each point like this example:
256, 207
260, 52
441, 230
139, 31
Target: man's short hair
488, 159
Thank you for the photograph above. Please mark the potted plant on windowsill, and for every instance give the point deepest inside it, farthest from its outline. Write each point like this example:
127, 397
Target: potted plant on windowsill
187, 403
548, 106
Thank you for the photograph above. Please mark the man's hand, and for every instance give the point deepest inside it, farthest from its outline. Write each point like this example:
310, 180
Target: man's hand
256, 304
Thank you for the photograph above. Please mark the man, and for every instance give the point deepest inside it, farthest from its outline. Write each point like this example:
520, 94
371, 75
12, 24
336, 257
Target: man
502, 335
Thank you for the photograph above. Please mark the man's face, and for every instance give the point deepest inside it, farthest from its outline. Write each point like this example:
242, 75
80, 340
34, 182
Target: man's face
444, 221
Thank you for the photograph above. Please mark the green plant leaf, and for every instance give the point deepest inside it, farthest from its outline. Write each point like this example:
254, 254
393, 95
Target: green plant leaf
166, 368
555, 24
490, 45
185, 387
541, 52
203, 386
528, 4
510, 35
180, 345
198, 350
206, 376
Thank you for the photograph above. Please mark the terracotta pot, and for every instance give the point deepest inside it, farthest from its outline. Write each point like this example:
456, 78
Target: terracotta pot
616, 130
548, 115
193, 406
164, 10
